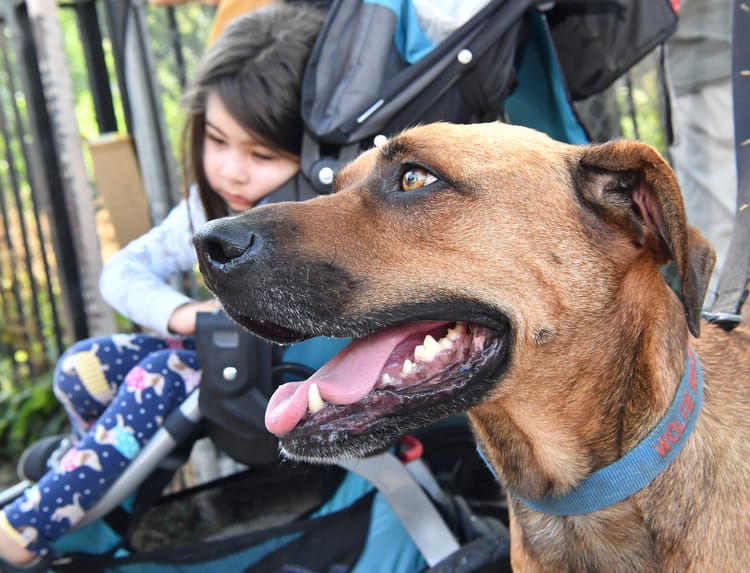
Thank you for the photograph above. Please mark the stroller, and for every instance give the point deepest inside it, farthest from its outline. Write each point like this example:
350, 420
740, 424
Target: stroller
428, 503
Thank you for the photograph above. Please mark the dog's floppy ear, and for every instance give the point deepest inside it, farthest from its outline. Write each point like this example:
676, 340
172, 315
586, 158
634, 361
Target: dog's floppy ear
630, 185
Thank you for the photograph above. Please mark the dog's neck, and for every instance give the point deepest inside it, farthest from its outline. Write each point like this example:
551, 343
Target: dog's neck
568, 411
644, 463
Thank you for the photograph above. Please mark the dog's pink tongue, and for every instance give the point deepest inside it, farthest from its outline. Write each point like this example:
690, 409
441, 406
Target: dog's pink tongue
347, 377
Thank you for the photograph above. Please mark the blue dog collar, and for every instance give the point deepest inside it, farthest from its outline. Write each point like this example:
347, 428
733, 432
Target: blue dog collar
641, 465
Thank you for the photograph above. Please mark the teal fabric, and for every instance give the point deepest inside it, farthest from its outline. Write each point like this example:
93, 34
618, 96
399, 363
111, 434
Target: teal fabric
95, 538
410, 40
314, 352
389, 546
540, 100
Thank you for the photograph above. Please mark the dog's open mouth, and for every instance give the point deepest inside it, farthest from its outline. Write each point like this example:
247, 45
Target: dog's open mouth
386, 384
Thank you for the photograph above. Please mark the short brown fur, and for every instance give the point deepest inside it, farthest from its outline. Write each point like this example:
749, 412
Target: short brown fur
566, 241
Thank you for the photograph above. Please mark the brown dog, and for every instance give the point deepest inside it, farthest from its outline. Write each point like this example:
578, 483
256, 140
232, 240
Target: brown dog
534, 267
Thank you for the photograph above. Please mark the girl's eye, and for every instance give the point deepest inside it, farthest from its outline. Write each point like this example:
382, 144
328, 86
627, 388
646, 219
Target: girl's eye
416, 178
214, 139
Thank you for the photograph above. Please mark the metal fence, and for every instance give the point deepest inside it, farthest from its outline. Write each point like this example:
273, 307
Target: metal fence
65, 67
32, 332
72, 71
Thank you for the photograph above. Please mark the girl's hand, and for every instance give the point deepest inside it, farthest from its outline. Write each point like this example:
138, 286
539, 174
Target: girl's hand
183, 318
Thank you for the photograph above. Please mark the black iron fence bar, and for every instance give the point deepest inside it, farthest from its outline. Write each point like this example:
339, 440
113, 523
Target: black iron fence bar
21, 130
31, 332
14, 315
98, 76
631, 105
116, 13
177, 46
49, 175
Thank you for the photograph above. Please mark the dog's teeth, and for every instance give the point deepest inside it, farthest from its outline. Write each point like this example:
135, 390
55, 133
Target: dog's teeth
314, 401
431, 344
407, 368
427, 350
456, 332
387, 380
446, 343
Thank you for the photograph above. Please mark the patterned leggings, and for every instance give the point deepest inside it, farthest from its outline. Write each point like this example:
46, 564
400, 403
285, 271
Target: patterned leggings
111, 421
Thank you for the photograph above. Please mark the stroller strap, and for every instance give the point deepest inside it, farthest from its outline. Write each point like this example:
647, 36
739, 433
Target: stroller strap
409, 502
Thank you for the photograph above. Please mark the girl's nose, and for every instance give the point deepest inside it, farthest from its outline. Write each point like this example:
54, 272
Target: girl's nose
234, 169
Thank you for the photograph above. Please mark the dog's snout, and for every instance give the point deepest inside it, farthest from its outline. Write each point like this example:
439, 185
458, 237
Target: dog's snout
225, 249
222, 244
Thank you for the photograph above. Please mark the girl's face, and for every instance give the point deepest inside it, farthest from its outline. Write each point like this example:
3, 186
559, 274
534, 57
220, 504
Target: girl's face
240, 168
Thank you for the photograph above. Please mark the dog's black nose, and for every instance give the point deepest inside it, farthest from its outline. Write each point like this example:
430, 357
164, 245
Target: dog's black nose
224, 243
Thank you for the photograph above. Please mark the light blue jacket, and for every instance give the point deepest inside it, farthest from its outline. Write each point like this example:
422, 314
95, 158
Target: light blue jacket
136, 280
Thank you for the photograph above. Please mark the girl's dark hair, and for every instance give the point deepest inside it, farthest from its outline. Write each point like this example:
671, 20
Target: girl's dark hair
255, 67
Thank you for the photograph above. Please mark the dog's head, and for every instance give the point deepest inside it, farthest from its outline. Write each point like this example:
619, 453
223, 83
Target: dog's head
456, 257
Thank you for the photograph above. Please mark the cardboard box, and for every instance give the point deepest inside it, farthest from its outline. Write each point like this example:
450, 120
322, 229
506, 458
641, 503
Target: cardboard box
118, 179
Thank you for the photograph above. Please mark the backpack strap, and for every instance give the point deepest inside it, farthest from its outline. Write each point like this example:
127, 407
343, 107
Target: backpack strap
733, 281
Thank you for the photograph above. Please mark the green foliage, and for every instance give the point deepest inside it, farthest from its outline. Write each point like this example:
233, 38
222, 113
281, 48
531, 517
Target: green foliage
193, 22
642, 106
27, 414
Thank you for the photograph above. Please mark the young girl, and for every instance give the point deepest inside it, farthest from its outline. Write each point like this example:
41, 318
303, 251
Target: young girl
243, 138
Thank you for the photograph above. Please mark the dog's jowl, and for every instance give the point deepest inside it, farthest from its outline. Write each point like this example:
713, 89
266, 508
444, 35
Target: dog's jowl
489, 269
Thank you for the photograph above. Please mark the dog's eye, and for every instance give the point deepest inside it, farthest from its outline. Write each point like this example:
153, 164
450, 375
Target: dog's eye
416, 178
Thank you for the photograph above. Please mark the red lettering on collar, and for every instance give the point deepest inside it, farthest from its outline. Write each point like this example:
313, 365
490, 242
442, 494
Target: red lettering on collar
687, 406
675, 431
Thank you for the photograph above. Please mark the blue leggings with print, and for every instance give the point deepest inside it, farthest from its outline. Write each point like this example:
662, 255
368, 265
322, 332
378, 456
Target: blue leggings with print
116, 391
